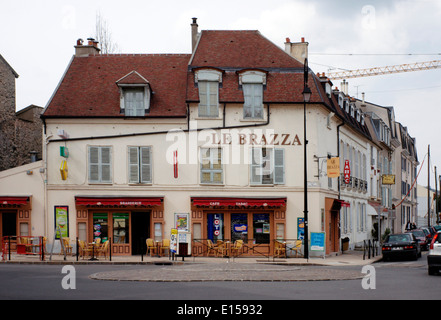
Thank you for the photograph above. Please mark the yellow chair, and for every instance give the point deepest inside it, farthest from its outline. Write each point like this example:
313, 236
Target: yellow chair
298, 247
279, 249
211, 249
165, 246
67, 246
151, 247
221, 249
103, 250
84, 250
238, 244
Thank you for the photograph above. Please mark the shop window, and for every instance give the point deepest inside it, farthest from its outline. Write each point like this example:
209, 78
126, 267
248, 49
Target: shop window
100, 226
158, 231
239, 227
24, 229
82, 231
120, 228
280, 231
197, 231
215, 226
261, 228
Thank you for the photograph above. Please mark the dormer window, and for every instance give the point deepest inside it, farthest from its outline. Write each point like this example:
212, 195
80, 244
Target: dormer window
208, 81
252, 82
135, 95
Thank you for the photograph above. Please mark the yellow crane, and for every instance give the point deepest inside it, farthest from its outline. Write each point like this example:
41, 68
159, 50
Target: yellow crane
407, 67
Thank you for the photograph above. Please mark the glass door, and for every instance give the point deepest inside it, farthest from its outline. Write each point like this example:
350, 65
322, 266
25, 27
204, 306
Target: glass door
215, 226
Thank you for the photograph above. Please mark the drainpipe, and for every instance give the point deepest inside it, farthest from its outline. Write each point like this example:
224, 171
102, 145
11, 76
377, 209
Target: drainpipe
338, 154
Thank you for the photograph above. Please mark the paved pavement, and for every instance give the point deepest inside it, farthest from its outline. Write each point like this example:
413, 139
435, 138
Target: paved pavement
220, 269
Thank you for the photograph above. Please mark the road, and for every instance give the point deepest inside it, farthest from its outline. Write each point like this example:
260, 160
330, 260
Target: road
397, 280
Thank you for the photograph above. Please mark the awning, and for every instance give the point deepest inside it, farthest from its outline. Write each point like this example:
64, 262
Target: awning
238, 202
14, 201
338, 204
119, 201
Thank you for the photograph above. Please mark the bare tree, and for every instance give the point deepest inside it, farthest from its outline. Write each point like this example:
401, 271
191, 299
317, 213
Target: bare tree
104, 36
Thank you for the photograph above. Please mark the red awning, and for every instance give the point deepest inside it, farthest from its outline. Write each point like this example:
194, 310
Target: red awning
14, 201
238, 202
118, 201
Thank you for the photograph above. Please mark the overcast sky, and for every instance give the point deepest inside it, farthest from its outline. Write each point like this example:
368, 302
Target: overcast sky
38, 38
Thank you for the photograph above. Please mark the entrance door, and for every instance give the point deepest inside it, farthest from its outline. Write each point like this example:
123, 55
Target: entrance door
140, 231
9, 224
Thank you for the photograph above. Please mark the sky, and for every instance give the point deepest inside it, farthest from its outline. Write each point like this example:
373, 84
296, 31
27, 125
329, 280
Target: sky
38, 39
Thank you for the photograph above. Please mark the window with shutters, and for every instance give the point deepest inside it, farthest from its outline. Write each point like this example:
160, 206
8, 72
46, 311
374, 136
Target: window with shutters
134, 102
267, 166
211, 166
140, 165
100, 164
208, 99
253, 106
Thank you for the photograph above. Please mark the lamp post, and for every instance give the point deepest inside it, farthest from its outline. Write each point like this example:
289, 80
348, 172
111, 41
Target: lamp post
306, 97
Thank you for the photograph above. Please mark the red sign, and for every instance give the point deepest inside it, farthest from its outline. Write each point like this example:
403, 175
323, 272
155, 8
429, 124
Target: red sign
347, 172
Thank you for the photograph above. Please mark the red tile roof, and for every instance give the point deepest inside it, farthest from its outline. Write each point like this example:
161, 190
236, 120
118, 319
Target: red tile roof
89, 86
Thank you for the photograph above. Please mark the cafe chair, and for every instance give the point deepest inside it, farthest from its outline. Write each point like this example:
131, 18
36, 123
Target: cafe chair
67, 246
221, 249
84, 250
165, 246
279, 249
238, 245
211, 249
298, 247
103, 250
151, 247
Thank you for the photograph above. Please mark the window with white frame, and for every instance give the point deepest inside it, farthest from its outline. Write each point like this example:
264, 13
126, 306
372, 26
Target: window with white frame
211, 166
208, 99
208, 81
253, 106
267, 166
100, 164
140, 165
134, 102
252, 82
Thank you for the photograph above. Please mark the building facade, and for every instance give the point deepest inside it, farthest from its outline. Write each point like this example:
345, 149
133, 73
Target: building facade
210, 143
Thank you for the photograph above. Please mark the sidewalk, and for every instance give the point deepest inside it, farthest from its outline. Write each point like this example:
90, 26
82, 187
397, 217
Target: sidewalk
348, 258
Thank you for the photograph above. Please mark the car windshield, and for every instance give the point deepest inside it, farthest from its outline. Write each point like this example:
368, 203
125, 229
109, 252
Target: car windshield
399, 238
418, 234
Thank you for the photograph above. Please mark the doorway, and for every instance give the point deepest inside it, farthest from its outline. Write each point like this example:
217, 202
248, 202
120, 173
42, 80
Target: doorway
9, 223
140, 231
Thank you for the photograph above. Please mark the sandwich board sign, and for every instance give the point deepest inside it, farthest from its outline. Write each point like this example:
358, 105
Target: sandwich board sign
318, 242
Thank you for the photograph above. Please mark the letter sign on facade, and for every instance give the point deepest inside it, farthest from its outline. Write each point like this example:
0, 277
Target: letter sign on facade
347, 172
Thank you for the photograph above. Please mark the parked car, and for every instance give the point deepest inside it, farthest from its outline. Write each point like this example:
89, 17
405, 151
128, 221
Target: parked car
422, 238
401, 245
428, 234
434, 256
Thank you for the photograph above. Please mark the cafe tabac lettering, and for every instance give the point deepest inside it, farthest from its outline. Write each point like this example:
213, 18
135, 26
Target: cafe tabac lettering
283, 139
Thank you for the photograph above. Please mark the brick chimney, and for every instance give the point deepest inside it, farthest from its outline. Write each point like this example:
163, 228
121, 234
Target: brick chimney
194, 34
298, 50
91, 49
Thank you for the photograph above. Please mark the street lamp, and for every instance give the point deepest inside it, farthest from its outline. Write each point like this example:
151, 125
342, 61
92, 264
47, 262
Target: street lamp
306, 97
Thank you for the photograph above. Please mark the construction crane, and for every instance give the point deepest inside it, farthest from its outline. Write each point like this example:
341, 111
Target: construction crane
408, 67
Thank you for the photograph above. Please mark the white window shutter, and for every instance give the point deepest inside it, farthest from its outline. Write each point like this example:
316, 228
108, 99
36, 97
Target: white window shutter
279, 166
93, 164
146, 165
106, 175
256, 166
133, 165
